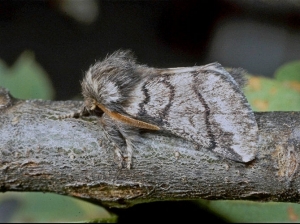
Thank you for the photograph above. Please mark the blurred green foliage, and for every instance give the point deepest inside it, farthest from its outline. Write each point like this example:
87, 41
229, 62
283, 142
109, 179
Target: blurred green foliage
279, 94
26, 80
48, 207
288, 72
249, 211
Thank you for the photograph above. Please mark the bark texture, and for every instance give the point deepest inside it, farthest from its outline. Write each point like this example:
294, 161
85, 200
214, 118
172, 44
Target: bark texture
39, 152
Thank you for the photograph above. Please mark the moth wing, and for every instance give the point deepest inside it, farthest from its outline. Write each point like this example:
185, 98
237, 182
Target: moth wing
160, 102
231, 119
202, 104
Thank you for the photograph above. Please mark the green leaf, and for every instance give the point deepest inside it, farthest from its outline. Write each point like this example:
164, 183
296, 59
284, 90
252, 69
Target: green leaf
49, 207
279, 94
26, 79
249, 211
266, 94
288, 72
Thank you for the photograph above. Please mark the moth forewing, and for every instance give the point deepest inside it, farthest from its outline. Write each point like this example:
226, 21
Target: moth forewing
202, 104
231, 119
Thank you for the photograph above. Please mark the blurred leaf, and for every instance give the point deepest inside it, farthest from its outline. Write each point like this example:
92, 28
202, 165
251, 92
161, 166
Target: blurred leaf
266, 94
47, 207
249, 211
288, 72
26, 79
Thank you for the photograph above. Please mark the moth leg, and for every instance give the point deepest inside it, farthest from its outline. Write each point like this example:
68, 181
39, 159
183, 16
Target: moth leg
123, 137
112, 132
129, 150
132, 137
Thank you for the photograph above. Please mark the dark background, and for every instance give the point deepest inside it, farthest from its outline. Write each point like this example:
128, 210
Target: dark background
256, 35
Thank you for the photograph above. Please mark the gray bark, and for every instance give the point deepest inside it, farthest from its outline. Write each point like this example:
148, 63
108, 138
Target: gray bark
39, 152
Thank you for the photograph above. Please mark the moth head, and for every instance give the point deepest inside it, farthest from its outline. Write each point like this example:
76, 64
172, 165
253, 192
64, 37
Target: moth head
98, 86
90, 104
93, 89
108, 82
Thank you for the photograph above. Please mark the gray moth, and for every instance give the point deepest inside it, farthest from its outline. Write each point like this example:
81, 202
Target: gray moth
202, 104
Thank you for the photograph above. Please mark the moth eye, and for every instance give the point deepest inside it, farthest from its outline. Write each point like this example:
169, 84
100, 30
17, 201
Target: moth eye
92, 104
93, 107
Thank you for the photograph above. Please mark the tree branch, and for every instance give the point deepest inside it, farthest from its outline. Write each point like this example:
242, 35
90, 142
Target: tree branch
39, 152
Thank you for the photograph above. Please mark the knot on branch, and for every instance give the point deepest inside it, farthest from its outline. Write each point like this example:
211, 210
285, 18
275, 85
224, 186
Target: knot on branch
5, 98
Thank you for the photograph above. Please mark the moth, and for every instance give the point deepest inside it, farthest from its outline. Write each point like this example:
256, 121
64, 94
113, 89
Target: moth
202, 104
